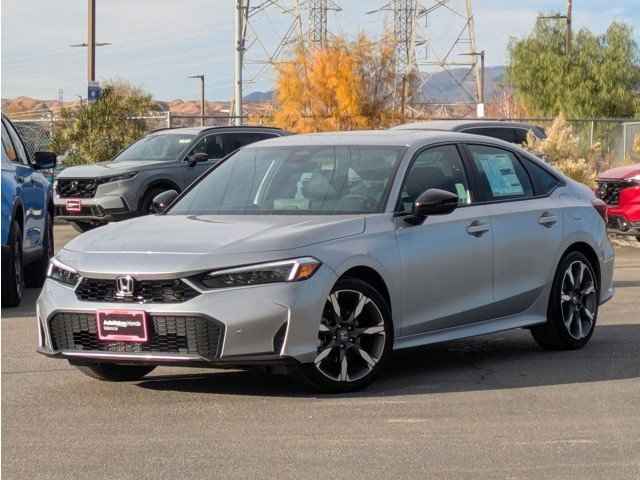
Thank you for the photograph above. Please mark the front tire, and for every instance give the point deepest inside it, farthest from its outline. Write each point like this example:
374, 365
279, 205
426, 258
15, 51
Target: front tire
355, 338
115, 373
573, 306
13, 270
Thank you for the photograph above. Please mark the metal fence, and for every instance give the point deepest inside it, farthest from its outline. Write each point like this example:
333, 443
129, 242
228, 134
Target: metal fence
615, 136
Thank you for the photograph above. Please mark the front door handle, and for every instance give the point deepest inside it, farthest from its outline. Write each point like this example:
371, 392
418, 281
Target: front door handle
477, 228
547, 219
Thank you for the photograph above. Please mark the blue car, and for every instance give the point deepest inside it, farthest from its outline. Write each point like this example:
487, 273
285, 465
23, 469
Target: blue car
27, 216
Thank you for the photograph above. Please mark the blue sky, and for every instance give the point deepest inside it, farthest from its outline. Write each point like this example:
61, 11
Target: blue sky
157, 43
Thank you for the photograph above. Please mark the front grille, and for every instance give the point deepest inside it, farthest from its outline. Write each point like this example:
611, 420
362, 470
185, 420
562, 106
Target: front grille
168, 334
609, 190
76, 188
144, 291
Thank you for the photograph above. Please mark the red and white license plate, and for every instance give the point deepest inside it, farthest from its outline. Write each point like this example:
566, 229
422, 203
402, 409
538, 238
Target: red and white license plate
122, 325
74, 206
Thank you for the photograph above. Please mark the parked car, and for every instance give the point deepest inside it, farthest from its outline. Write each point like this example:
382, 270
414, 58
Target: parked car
619, 188
92, 195
512, 132
27, 216
324, 252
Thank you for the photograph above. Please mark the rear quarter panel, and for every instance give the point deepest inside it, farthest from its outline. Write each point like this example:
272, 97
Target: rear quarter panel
9, 195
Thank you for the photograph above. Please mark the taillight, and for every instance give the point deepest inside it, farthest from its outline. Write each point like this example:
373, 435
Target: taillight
601, 208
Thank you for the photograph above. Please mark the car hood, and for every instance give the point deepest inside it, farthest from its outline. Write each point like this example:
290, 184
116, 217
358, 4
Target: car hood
620, 173
108, 169
172, 244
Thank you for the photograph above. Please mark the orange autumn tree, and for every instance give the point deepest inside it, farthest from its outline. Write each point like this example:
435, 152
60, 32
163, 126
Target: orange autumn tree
343, 86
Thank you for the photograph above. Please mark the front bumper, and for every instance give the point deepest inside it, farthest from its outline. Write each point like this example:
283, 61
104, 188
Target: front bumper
98, 210
273, 324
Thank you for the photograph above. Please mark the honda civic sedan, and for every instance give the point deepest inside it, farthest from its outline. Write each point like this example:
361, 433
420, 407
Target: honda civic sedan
321, 254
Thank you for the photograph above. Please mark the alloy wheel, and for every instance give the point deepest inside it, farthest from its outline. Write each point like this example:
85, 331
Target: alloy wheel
578, 300
351, 336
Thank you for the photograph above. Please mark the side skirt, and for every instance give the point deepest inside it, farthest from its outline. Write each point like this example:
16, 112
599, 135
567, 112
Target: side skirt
470, 330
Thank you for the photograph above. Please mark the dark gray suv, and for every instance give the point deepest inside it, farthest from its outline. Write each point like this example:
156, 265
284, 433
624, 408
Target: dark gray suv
169, 159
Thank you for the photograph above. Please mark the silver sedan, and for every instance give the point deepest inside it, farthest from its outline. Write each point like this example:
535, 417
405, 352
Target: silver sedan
323, 253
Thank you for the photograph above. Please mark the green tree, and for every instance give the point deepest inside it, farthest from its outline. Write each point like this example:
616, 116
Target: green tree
97, 131
598, 78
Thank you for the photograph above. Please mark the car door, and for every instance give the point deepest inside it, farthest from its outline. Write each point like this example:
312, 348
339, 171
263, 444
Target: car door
33, 192
447, 260
527, 227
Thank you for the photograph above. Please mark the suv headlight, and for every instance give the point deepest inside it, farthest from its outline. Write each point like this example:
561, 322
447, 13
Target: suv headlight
294, 270
62, 273
117, 178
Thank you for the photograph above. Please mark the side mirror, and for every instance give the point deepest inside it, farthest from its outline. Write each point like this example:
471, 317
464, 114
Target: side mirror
163, 200
44, 160
433, 202
198, 158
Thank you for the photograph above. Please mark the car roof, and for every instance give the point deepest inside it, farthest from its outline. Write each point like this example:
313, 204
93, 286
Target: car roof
398, 138
456, 125
199, 130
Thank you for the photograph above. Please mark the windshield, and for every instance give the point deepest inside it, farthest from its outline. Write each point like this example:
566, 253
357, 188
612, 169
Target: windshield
301, 180
160, 147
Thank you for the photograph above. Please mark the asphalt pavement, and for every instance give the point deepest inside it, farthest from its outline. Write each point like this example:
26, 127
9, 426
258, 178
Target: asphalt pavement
494, 407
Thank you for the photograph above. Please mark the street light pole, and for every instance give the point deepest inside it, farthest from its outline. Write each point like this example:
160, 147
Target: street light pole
202, 101
241, 14
91, 41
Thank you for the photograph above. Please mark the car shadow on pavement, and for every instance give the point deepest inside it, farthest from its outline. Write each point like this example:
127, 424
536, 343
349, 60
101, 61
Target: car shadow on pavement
501, 361
27, 307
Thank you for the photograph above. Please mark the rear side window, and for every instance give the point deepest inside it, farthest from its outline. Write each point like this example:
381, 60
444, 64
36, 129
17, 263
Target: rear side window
520, 136
543, 182
501, 174
234, 141
501, 133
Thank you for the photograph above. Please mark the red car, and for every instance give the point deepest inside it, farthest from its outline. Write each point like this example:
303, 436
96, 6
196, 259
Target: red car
619, 188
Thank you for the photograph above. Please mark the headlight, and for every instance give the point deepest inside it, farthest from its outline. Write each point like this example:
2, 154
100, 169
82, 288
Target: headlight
293, 270
117, 178
59, 272
635, 179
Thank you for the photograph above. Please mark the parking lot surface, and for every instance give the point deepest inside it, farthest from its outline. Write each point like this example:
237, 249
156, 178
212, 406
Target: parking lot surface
489, 407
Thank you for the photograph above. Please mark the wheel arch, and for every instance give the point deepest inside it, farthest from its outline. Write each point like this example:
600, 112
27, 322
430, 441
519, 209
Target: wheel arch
158, 182
372, 277
589, 252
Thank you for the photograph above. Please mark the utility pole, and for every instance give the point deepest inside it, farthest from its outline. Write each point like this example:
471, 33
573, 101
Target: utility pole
480, 107
569, 35
318, 20
202, 102
241, 17
91, 40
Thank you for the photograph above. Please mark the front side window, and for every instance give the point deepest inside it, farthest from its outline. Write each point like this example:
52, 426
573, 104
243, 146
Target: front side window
162, 147
296, 180
438, 167
501, 173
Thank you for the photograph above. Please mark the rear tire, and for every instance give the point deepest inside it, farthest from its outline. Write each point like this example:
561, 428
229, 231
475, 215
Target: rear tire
355, 339
573, 306
13, 270
36, 273
115, 373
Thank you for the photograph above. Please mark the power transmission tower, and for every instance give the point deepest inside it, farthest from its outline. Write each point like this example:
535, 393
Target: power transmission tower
437, 36
256, 22
318, 20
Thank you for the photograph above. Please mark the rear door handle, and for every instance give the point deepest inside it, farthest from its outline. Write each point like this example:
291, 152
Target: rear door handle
547, 220
477, 228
